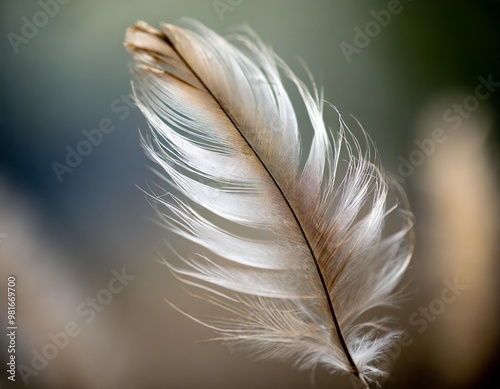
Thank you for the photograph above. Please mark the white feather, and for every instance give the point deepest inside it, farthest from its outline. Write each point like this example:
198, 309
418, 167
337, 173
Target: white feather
224, 133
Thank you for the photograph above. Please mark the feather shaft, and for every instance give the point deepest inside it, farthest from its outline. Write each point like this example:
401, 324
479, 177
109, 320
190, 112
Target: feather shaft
227, 137
336, 326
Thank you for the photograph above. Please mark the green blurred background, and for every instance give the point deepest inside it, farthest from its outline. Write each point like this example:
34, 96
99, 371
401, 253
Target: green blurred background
64, 237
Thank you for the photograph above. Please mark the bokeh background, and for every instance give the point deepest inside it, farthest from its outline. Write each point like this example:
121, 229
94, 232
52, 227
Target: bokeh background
63, 238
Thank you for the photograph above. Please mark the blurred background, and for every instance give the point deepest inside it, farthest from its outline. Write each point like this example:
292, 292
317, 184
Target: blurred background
425, 85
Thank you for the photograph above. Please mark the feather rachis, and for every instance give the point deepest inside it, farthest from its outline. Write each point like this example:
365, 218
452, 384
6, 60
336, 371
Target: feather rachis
227, 138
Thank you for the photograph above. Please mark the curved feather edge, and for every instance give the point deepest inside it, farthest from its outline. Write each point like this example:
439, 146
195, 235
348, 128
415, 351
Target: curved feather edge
293, 253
